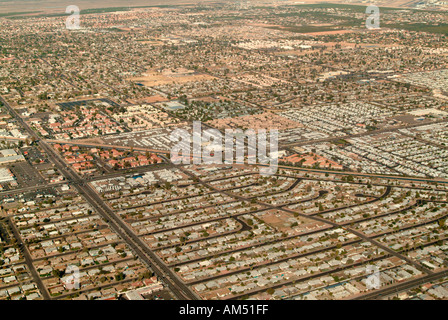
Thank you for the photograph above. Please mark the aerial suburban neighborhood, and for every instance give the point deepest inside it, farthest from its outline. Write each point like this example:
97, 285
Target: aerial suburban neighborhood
124, 173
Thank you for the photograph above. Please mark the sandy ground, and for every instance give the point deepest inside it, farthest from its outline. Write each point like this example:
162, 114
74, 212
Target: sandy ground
154, 99
280, 220
152, 79
324, 33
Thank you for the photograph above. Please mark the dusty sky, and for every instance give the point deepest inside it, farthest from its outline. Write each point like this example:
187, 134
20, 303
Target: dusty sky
60, 5
51, 5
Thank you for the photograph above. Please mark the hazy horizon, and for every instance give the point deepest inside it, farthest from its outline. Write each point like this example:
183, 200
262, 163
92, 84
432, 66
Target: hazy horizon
7, 6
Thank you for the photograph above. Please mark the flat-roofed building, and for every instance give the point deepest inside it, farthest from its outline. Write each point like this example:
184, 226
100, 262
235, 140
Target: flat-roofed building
6, 175
9, 156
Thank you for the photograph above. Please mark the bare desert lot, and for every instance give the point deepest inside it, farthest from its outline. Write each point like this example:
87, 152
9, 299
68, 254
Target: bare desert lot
155, 78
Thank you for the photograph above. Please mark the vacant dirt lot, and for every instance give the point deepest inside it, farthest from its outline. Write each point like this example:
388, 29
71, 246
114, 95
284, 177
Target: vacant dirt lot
154, 78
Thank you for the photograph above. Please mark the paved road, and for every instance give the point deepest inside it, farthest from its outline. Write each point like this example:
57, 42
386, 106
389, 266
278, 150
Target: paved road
29, 262
136, 244
395, 288
358, 174
316, 218
388, 129
143, 251
33, 188
105, 145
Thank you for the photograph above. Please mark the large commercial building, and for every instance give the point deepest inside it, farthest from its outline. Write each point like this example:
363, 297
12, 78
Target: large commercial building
10, 156
6, 175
